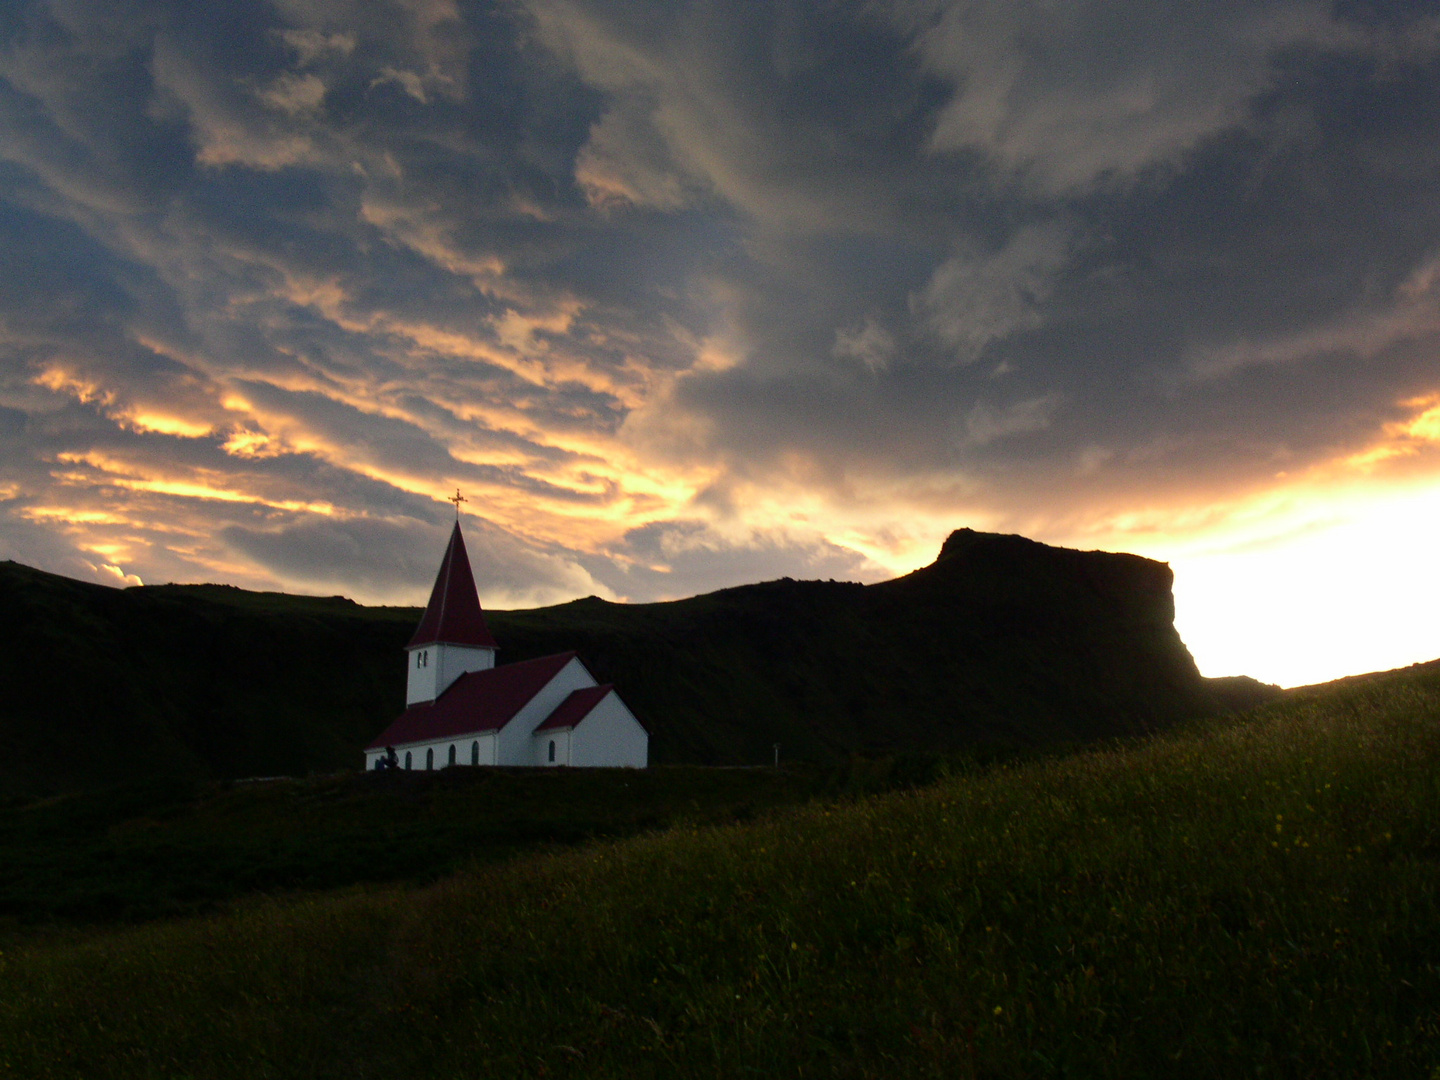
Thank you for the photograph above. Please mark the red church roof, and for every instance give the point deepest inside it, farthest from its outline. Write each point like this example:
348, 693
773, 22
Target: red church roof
575, 708
478, 701
453, 615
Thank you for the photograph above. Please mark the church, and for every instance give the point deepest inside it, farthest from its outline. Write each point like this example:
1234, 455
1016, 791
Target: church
461, 709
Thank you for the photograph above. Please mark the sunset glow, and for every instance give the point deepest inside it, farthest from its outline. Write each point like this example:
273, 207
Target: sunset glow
684, 297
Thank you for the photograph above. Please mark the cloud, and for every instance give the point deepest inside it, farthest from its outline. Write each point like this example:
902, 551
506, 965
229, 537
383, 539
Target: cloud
313, 45
984, 423
686, 294
396, 559
767, 110
225, 128
1366, 330
409, 81
1070, 96
974, 298
870, 343
294, 94
683, 557
624, 163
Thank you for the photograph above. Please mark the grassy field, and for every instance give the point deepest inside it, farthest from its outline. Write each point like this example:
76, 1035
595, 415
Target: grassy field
161, 848
1252, 897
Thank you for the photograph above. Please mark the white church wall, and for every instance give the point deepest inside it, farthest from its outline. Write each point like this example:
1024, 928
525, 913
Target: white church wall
465, 749
516, 743
487, 750
610, 736
434, 667
542, 741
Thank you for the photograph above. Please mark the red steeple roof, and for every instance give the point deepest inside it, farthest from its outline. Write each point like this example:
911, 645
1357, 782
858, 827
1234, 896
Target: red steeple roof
453, 615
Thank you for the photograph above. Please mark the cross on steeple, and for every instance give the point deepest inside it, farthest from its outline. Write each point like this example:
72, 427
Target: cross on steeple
457, 499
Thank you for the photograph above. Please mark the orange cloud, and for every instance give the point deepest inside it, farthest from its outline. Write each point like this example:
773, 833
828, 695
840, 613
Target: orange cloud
1404, 438
59, 381
167, 425
109, 471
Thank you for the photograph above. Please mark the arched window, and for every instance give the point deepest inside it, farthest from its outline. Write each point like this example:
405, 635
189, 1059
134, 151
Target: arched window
407, 759
430, 758
452, 753
552, 749
475, 752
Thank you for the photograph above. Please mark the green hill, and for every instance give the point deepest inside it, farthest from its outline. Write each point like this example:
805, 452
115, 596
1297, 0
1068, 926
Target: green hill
160, 848
1240, 897
1001, 640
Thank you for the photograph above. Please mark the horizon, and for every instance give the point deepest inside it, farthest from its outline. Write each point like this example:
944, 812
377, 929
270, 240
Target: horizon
686, 298
419, 605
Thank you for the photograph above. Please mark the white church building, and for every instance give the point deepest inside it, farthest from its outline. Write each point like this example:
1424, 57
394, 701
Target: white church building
463, 710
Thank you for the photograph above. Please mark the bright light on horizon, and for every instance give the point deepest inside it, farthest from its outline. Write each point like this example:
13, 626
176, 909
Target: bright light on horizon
1354, 590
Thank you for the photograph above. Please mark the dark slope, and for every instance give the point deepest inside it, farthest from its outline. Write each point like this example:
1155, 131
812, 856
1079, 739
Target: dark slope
1001, 639
102, 685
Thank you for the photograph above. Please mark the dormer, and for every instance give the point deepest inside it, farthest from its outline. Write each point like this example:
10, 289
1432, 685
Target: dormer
452, 637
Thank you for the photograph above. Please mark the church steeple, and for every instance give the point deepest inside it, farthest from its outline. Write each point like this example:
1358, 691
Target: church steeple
452, 637
453, 615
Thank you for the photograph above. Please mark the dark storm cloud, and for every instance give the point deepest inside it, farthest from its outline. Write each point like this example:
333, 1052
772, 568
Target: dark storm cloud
1202, 235
635, 274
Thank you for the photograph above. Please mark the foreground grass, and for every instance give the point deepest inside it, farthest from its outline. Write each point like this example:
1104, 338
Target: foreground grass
1255, 898
163, 848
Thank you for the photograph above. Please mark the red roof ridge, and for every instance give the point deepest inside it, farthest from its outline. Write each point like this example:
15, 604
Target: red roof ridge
453, 615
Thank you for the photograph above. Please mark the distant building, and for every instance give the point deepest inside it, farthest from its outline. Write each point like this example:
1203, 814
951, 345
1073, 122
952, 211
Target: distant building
463, 710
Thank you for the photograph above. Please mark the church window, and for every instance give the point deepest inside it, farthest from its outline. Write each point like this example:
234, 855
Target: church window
475, 752
552, 749
407, 759
430, 758
452, 753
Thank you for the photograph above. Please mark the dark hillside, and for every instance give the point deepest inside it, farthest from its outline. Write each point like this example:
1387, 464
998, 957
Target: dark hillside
1001, 640
103, 685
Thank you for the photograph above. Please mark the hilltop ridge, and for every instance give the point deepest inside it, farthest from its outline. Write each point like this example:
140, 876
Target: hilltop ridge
1000, 640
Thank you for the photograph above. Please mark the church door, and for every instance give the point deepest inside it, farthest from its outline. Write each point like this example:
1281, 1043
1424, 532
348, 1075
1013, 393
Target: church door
430, 758
475, 752
452, 753
407, 759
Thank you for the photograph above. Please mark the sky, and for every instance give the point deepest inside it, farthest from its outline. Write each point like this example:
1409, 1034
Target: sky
682, 295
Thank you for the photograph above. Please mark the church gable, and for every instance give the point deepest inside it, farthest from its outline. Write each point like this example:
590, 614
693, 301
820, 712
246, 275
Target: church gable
575, 708
515, 746
591, 727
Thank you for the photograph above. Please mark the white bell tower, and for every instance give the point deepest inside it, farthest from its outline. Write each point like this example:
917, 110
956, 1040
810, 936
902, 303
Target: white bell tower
452, 637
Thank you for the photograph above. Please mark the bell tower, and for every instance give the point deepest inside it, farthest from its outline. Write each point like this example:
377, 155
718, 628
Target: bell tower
452, 637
